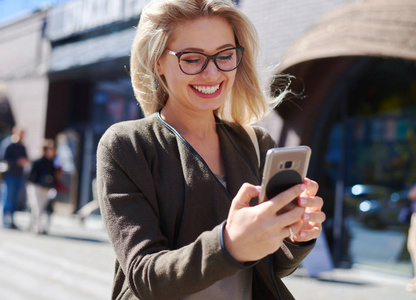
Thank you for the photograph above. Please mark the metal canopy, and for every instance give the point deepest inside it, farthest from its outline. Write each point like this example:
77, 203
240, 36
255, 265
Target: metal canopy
93, 50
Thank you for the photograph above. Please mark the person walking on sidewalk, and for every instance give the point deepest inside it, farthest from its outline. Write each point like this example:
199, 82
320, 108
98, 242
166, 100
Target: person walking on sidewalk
177, 189
41, 186
16, 158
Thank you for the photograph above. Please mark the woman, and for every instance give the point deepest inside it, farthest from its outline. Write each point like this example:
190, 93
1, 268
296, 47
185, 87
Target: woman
177, 188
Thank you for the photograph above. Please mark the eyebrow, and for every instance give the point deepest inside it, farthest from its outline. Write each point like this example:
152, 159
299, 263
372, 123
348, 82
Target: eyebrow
202, 50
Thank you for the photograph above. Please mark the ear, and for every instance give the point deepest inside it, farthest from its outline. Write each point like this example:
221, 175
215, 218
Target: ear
159, 67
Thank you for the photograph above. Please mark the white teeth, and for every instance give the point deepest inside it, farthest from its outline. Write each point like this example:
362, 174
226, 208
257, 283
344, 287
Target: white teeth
206, 89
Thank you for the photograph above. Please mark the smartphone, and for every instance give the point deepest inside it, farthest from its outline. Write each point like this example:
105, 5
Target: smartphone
284, 168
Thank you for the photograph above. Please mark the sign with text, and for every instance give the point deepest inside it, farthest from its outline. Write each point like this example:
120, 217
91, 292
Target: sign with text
77, 16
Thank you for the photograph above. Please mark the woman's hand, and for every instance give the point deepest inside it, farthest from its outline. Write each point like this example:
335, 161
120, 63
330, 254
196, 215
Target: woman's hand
251, 233
313, 217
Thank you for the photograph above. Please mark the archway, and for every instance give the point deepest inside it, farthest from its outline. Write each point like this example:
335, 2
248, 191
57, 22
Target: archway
352, 69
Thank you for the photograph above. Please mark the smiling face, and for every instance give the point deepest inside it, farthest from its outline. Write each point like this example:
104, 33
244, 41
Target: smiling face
207, 90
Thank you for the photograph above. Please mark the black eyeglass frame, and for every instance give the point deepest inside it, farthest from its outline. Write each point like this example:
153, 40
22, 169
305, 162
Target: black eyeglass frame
209, 57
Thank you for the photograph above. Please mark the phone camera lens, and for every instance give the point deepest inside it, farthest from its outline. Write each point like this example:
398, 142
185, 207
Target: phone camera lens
288, 164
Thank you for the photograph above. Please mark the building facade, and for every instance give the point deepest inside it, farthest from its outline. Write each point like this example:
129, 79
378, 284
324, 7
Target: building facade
89, 83
23, 76
353, 101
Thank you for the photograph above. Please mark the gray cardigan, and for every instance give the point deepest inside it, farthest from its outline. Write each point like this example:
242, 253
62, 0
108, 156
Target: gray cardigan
163, 209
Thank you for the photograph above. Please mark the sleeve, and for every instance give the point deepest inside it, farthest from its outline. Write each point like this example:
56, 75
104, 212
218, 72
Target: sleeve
24, 152
8, 154
10, 157
128, 203
288, 258
33, 174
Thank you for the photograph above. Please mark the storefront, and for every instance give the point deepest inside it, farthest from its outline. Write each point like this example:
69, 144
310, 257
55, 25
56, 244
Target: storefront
90, 86
23, 81
356, 70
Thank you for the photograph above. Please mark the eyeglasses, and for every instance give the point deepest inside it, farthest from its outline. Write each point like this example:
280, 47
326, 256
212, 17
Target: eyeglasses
192, 63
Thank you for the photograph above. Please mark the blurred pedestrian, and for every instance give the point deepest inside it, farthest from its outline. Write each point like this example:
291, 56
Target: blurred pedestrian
16, 158
41, 186
3, 166
175, 188
411, 239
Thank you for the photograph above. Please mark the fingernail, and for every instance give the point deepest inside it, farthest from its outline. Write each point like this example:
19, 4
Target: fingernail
306, 216
302, 234
258, 188
303, 187
303, 201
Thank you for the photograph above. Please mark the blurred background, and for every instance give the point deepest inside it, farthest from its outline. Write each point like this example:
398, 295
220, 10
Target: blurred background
65, 75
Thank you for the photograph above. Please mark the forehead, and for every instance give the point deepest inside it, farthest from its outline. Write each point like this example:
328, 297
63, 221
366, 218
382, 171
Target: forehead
205, 33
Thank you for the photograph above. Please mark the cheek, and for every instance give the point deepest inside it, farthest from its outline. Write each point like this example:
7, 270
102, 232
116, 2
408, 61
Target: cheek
168, 72
176, 81
230, 80
166, 66
174, 78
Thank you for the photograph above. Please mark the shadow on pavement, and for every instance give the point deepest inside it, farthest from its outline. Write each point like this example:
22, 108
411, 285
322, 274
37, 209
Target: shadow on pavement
337, 281
76, 238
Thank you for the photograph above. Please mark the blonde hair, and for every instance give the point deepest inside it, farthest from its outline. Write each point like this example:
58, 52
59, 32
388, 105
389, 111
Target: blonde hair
246, 103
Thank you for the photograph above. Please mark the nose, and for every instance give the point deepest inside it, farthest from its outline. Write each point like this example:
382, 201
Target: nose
211, 71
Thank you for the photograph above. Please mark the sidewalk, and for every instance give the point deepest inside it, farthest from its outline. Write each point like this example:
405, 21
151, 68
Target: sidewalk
91, 227
358, 283
74, 260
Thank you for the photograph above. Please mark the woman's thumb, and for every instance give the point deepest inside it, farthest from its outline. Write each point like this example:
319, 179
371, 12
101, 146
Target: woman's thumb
245, 194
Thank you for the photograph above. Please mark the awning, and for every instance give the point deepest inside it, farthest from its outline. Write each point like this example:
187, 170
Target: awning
93, 50
382, 28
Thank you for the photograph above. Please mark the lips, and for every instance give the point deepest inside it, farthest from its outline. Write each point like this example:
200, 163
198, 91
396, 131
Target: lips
207, 90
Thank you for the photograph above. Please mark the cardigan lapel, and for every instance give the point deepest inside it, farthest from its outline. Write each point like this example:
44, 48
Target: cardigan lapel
237, 165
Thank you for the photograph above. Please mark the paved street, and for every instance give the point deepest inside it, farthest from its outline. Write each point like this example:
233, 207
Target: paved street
75, 261
358, 283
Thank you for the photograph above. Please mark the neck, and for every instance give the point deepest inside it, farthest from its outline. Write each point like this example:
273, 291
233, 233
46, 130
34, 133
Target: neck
198, 124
